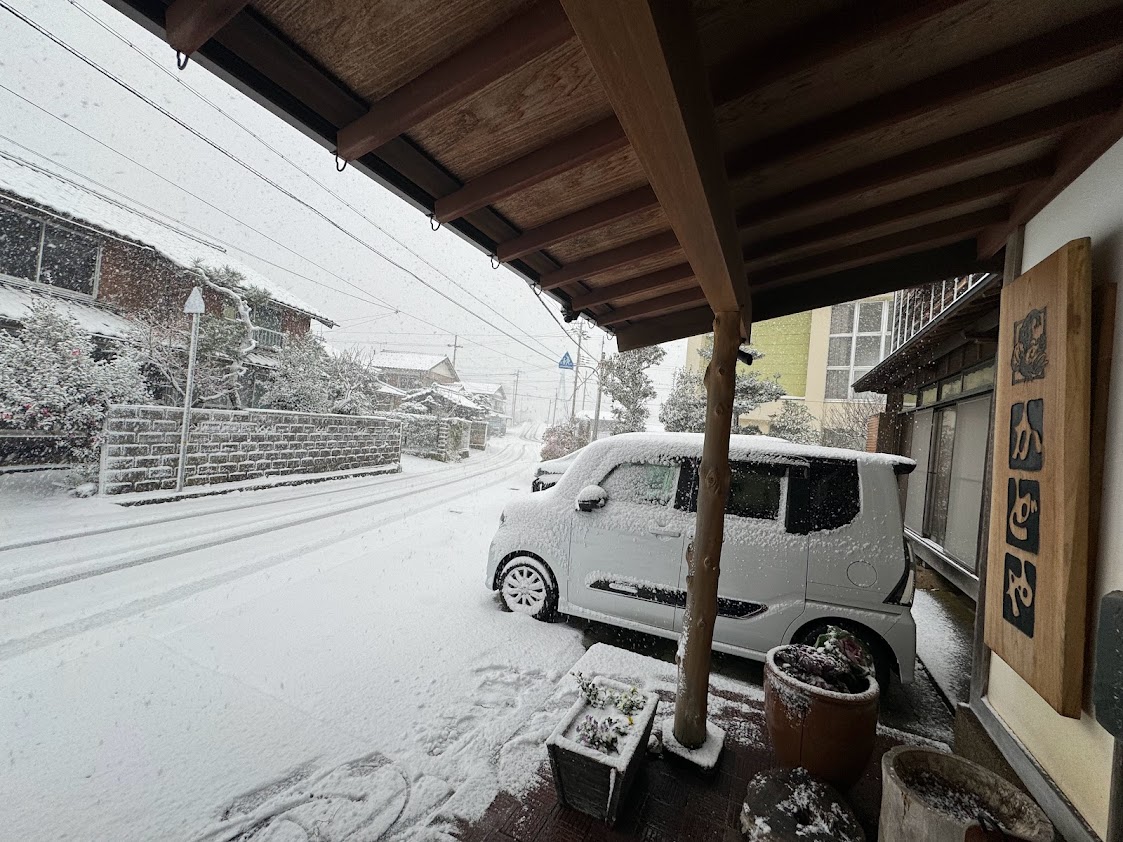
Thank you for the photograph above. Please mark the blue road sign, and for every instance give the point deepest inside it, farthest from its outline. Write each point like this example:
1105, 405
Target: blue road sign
566, 361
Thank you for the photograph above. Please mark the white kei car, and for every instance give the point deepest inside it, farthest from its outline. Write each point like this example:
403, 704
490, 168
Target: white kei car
813, 537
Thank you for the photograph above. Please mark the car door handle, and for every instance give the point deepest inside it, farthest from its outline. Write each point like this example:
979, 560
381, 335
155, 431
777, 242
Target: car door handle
668, 531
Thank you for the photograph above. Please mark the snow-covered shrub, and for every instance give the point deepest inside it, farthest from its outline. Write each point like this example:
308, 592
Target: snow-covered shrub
51, 380
562, 439
309, 379
795, 423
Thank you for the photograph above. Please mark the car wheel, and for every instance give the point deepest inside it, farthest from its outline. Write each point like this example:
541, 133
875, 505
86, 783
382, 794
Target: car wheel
526, 587
882, 657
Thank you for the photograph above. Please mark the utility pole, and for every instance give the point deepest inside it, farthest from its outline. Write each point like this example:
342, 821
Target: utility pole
515, 398
576, 370
600, 387
455, 346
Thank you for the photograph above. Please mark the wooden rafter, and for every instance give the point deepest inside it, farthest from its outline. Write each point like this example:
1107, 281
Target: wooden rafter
606, 261
571, 225
587, 144
823, 39
663, 280
665, 328
882, 248
524, 37
648, 59
1006, 134
1016, 63
826, 234
830, 287
190, 24
1073, 158
655, 306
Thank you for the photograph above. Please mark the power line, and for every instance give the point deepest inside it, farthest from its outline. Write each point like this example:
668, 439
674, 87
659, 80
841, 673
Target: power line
284, 158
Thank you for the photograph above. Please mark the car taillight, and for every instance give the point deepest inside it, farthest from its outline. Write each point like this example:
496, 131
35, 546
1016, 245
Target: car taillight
903, 591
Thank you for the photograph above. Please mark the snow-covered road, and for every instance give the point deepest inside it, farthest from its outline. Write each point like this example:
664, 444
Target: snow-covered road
180, 671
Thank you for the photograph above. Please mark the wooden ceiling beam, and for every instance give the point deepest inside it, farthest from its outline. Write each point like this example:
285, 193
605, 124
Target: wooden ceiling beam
818, 237
1075, 155
651, 307
606, 261
586, 219
571, 151
882, 248
665, 329
999, 137
825, 38
1069, 43
189, 24
823, 290
648, 59
527, 35
659, 281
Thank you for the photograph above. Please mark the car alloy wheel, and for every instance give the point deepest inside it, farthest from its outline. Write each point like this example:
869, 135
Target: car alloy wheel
524, 589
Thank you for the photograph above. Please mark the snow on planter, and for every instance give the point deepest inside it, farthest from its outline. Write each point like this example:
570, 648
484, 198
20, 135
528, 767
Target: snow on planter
598, 746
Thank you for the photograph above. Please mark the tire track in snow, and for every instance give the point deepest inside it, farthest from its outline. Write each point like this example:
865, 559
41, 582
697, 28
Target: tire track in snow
240, 532
249, 504
14, 647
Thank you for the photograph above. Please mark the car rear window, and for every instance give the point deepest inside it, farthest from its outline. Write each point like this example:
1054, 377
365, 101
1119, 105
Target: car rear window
825, 498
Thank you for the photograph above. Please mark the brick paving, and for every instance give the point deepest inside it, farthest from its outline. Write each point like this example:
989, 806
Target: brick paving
670, 800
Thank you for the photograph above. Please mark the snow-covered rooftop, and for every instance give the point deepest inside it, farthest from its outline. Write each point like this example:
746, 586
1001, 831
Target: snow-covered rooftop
740, 447
408, 362
16, 301
86, 204
475, 388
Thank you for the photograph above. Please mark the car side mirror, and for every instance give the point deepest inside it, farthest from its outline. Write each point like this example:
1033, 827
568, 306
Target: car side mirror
591, 497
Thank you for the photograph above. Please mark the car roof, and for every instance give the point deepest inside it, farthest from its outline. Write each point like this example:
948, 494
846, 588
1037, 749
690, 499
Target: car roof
755, 448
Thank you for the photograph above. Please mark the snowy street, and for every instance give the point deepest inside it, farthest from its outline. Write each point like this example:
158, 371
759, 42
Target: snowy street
166, 674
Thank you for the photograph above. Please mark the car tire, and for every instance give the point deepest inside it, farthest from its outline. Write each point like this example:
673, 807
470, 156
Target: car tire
526, 586
882, 657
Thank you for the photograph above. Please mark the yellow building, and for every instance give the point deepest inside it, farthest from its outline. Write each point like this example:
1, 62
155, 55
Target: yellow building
817, 354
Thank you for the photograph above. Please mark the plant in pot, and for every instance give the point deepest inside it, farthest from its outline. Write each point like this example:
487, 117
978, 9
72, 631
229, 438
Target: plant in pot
597, 748
821, 704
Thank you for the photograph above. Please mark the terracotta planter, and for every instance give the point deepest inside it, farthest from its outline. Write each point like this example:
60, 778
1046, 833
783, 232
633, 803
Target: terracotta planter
930, 796
829, 734
586, 778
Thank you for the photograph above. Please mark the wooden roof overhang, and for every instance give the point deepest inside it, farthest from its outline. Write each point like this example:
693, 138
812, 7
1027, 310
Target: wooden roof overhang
649, 163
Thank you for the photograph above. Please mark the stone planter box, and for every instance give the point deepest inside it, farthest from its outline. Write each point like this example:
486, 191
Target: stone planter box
829, 734
930, 796
587, 779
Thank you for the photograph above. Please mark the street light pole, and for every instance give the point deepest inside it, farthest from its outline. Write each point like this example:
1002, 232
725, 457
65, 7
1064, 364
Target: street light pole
193, 307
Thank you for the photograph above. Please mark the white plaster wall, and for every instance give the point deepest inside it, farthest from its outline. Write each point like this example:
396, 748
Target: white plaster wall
1077, 753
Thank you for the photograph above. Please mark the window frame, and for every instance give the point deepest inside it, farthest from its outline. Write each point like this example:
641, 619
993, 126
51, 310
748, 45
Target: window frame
853, 335
36, 283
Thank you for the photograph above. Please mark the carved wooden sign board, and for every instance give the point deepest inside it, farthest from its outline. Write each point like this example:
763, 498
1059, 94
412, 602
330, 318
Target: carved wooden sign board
1037, 578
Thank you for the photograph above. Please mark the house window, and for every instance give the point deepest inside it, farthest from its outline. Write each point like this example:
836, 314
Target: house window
34, 250
858, 341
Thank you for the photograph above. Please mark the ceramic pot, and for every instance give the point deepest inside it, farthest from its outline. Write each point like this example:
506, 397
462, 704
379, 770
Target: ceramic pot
829, 734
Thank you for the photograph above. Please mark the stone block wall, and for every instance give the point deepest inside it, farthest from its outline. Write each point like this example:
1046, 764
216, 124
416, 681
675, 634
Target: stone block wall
141, 449
478, 438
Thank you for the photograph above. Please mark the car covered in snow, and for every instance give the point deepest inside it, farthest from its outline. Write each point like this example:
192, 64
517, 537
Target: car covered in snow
547, 474
813, 537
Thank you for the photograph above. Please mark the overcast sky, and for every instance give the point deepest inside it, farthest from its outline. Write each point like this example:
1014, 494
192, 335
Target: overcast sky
74, 116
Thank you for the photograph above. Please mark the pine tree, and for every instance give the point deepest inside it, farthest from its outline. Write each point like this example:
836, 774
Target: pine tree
52, 380
795, 423
630, 388
301, 382
685, 408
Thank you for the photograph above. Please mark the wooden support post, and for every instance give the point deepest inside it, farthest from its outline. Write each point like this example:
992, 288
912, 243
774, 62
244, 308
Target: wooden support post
704, 561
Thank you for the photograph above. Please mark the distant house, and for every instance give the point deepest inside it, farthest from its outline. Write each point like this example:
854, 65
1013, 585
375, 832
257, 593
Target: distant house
446, 401
111, 267
490, 395
414, 371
